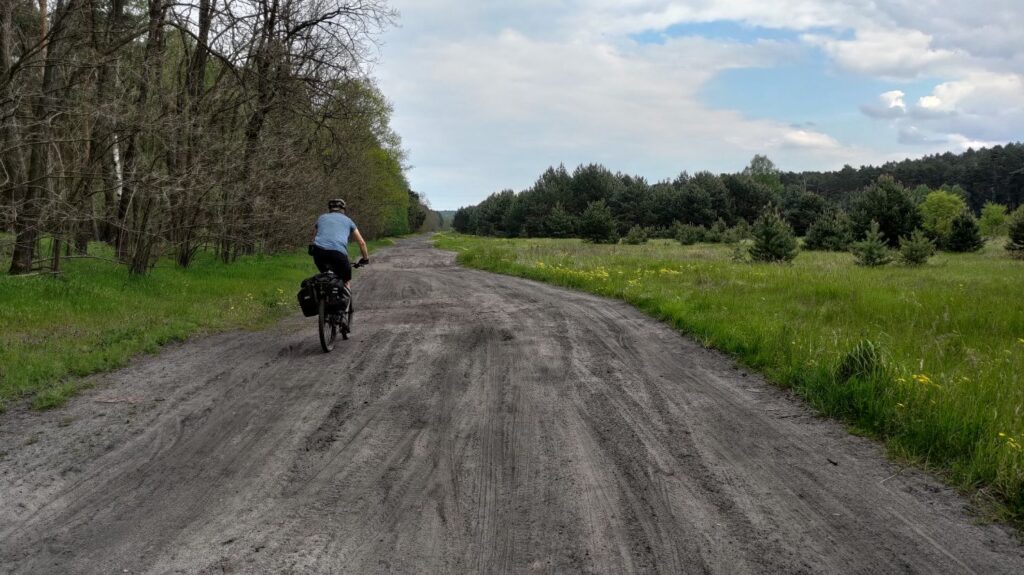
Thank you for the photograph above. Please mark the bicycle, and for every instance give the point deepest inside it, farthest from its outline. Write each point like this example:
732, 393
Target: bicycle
334, 308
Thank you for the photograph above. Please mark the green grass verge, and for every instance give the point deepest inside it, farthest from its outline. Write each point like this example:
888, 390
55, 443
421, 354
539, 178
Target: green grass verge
95, 317
930, 359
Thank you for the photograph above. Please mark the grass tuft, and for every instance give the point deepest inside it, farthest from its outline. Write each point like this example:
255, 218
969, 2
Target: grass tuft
865, 361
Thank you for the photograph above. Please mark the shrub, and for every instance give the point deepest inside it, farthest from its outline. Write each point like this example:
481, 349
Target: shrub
830, 232
597, 224
993, 220
636, 235
938, 210
741, 252
916, 249
1015, 245
668, 233
737, 233
872, 250
965, 236
774, 240
717, 231
688, 234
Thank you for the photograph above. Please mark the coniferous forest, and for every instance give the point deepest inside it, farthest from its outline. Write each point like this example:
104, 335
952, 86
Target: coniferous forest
831, 209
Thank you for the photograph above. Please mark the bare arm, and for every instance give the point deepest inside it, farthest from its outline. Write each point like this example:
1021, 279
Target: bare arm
362, 243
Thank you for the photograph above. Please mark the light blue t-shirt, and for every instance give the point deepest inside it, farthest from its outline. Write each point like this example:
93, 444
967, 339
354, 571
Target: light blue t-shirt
332, 232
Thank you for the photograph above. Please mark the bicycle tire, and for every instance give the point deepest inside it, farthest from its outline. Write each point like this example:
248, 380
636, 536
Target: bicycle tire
346, 318
328, 329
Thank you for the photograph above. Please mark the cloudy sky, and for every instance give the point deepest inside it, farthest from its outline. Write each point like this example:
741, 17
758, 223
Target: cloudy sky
488, 94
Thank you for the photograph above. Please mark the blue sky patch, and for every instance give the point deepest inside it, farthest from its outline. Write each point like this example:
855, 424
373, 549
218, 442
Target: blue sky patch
717, 30
808, 92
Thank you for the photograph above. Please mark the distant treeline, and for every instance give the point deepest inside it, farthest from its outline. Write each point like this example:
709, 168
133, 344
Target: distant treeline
556, 204
987, 175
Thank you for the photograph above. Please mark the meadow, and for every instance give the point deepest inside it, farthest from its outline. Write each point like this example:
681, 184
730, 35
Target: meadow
95, 316
929, 359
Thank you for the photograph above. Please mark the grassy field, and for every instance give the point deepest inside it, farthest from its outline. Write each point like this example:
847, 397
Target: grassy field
930, 359
95, 316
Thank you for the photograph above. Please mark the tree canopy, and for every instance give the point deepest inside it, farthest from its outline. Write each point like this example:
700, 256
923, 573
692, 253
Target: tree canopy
164, 128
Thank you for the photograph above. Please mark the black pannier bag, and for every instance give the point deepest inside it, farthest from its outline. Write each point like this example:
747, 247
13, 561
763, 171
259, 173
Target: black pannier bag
307, 298
334, 289
335, 292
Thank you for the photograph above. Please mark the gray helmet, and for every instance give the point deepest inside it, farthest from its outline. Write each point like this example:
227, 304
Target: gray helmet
336, 204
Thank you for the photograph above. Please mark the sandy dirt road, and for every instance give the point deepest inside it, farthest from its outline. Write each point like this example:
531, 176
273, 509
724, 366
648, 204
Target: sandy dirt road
474, 424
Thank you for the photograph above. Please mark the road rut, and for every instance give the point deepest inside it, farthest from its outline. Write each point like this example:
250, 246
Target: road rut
475, 423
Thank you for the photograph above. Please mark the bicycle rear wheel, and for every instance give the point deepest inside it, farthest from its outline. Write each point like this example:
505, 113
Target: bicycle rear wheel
346, 316
328, 328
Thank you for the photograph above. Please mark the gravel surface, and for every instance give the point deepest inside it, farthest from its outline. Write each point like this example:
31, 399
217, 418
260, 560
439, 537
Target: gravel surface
474, 423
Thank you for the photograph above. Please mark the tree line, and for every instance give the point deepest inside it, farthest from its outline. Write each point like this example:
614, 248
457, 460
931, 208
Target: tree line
987, 175
594, 203
165, 128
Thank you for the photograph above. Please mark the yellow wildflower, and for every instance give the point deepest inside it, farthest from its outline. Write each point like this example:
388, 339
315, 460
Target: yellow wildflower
924, 379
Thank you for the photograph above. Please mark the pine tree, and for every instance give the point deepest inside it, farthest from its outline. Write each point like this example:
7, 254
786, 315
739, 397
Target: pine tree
774, 240
964, 236
872, 250
559, 223
830, 232
889, 204
597, 224
916, 249
1015, 245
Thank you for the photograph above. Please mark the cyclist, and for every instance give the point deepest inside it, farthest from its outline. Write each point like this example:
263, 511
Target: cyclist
330, 241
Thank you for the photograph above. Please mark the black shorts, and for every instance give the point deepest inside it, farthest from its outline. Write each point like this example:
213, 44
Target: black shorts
332, 260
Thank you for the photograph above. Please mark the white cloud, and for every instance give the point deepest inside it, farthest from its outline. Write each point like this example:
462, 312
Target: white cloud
509, 104
894, 99
890, 104
809, 140
489, 93
893, 53
982, 107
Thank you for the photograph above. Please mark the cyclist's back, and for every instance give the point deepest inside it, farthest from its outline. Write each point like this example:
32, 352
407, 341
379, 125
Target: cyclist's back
330, 242
332, 232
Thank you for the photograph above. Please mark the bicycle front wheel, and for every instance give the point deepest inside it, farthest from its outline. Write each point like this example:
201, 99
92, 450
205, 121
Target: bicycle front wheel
328, 328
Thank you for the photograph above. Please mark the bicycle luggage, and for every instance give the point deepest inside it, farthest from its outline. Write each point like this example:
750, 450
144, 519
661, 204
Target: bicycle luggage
307, 299
329, 285
335, 296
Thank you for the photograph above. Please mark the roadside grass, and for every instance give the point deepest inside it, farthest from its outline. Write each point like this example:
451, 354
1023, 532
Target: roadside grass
929, 359
95, 317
